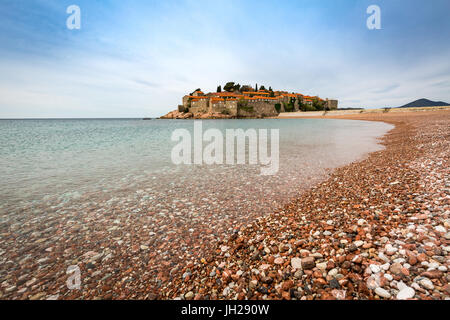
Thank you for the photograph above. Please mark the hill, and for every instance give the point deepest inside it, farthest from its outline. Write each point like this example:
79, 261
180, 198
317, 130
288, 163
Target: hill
425, 103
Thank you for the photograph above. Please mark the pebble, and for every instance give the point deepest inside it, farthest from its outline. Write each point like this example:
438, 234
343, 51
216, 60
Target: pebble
296, 263
189, 295
375, 268
427, 284
382, 293
308, 263
406, 293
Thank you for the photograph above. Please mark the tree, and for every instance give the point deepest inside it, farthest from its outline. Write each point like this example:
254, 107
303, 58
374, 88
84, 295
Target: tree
319, 106
237, 87
262, 88
219, 89
256, 87
229, 86
246, 88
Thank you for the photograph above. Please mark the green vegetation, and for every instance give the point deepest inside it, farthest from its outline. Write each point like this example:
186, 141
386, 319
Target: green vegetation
309, 107
243, 105
229, 86
219, 89
278, 107
288, 107
318, 105
181, 108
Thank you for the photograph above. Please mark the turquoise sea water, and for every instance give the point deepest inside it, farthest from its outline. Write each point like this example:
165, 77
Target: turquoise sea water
56, 163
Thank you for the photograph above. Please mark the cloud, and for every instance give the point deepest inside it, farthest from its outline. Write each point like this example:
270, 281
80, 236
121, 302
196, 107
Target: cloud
138, 59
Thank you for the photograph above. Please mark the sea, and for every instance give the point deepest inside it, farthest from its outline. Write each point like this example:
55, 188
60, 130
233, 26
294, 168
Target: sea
58, 165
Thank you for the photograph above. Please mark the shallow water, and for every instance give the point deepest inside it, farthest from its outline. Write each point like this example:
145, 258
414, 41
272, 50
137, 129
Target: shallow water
60, 164
104, 195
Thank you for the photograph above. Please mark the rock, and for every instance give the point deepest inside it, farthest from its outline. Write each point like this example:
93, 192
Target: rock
401, 285
322, 266
267, 280
189, 295
447, 288
286, 295
375, 268
317, 255
432, 274
390, 250
382, 293
373, 282
406, 293
333, 272
279, 260
263, 290
38, 296
396, 269
296, 263
287, 285
253, 284
359, 243
334, 284
426, 283
440, 229
339, 294
308, 263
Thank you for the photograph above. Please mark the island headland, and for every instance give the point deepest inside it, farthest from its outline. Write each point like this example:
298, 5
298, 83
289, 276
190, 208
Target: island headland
236, 101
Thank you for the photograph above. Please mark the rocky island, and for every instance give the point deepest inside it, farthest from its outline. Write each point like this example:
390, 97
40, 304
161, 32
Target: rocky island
236, 101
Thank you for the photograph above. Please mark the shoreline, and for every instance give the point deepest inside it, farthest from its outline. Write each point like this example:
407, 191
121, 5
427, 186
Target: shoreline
132, 262
376, 229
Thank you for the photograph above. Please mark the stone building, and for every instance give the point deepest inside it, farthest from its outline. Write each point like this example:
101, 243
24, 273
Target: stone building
254, 104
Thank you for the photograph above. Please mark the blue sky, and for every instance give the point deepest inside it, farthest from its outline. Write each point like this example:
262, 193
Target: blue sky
138, 58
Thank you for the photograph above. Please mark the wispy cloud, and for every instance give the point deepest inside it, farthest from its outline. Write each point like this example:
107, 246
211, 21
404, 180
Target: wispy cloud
138, 58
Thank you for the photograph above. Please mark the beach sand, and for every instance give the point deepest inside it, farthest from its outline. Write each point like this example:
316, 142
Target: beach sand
376, 229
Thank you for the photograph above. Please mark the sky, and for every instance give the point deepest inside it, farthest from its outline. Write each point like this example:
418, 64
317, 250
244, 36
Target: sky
138, 58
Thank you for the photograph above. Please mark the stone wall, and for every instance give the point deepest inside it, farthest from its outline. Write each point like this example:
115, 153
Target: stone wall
331, 104
199, 107
227, 107
258, 109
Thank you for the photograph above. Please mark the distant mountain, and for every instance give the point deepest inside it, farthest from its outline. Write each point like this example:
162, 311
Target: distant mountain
425, 103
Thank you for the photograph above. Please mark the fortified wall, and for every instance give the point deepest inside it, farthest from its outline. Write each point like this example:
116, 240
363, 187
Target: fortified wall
247, 104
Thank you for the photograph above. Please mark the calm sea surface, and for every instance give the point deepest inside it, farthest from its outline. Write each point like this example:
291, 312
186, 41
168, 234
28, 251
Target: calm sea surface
79, 192
60, 164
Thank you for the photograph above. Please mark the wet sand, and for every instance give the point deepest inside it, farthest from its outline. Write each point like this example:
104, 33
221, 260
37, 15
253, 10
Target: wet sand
376, 229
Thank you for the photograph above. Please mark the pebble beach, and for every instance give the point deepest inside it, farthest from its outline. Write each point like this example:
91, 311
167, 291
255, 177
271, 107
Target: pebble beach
374, 229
